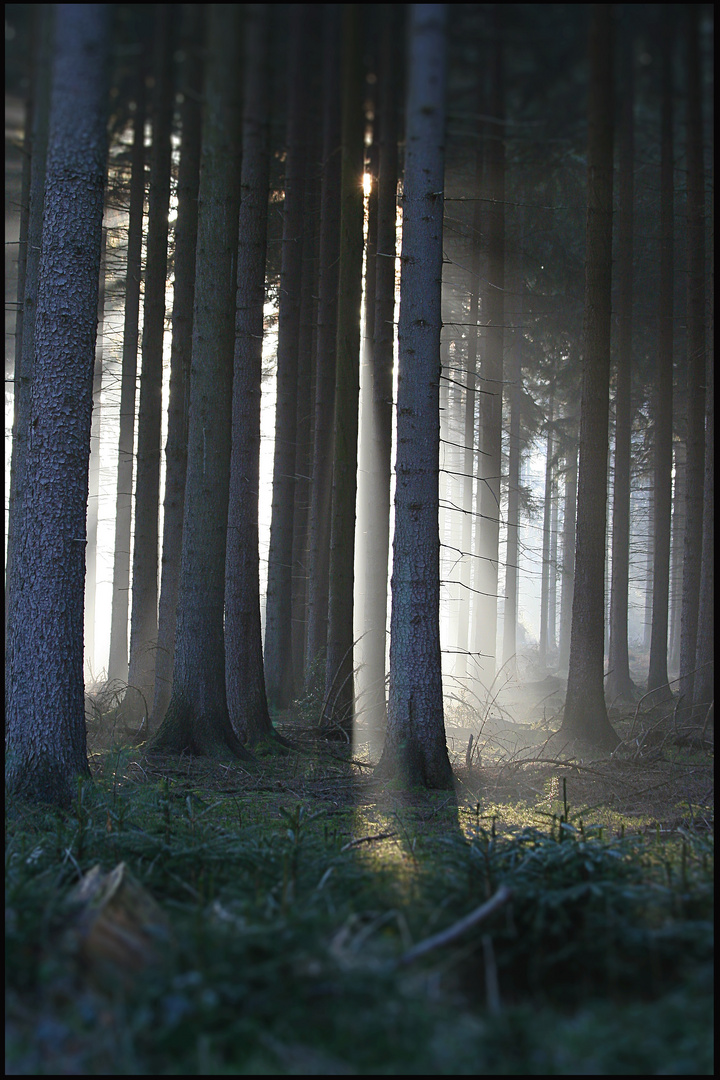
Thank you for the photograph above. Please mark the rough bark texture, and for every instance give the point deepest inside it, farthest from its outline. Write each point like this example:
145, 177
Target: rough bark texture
378, 542
326, 348
585, 710
492, 368
695, 468
45, 712
143, 621
118, 658
619, 684
339, 691
197, 717
415, 752
663, 393
181, 352
278, 611
244, 677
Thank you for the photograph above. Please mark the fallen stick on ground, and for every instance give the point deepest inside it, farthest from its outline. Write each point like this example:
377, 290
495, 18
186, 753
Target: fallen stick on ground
446, 937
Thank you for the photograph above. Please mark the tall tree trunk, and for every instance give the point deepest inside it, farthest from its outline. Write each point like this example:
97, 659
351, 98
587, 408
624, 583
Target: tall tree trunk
663, 390
278, 612
492, 367
568, 563
547, 507
244, 676
193, 33
36, 136
94, 474
143, 621
513, 513
695, 468
585, 710
339, 690
45, 711
619, 683
552, 567
118, 657
197, 717
326, 347
677, 543
415, 749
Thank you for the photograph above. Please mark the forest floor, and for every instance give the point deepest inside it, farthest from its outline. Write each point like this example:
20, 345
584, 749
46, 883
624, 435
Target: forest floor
282, 918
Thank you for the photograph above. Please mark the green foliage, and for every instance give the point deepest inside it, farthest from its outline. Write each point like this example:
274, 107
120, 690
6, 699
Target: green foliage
289, 919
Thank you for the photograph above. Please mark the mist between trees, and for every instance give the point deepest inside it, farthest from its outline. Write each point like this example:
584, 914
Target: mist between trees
401, 392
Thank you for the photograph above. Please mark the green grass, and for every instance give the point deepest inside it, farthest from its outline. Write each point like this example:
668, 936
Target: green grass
286, 937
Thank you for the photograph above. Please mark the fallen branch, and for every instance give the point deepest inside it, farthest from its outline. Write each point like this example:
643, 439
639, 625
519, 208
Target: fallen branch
367, 839
446, 937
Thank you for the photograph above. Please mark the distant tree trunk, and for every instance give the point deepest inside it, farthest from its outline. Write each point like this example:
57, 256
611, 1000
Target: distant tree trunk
339, 691
695, 469
94, 473
547, 507
705, 655
143, 622
376, 603
619, 684
415, 750
197, 717
492, 367
45, 710
278, 612
118, 658
181, 351
567, 579
552, 566
244, 676
649, 561
663, 397
513, 512
585, 710
676, 555
326, 347
36, 137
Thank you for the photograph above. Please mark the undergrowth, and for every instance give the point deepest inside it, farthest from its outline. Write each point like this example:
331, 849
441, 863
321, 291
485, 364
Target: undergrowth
289, 921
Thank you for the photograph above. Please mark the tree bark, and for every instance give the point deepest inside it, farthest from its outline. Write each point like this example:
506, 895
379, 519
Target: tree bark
547, 508
143, 621
415, 750
568, 564
193, 34
45, 710
197, 717
94, 474
585, 714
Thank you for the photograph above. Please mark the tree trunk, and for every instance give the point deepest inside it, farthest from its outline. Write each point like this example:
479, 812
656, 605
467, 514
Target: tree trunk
415, 750
326, 347
585, 710
339, 691
492, 367
143, 622
278, 612
547, 507
663, 395
619, 683
677, 543
513, 512
244, 676
695, 468
45, 711
197, 717
118, 658
181, 352
94, 474
568, 563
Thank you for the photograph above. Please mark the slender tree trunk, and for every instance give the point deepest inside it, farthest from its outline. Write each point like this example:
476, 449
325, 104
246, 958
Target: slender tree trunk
45, 710
415, 749
28, 272
585, 710
94, 473
181, 352
278, 612
197, 717
492, 368
547, 507
326, 347
244, 676
695, 468
619, 684
339, 690
118, 658
513, 512
663, 390
677, 543
568, 563
143, 621
552, 568
649, 561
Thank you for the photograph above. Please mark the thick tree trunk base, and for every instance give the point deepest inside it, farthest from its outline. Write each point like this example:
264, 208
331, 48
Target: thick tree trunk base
622, 689
184, 730
406, 766
50, 782
590, 726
